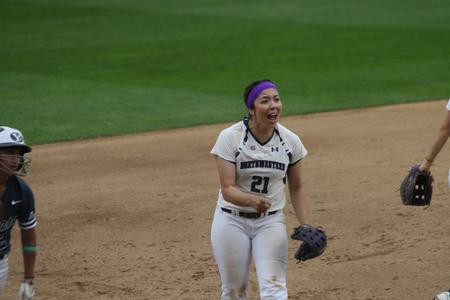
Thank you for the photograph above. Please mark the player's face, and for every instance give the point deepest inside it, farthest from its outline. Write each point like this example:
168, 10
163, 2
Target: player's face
267, 107
10, 158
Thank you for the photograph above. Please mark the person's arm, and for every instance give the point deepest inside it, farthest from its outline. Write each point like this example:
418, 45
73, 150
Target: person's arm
438, 144
299, 198
29, 240
227, 176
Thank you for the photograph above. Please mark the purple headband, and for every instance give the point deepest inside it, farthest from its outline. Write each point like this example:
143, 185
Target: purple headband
254, 93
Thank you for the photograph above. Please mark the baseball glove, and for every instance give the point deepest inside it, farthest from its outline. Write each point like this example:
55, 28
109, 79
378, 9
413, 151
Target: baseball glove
314, 241
417, 187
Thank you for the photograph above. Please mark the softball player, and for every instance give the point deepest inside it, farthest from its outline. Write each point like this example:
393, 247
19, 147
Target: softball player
436, 147
16, 203
255, 158
439, 143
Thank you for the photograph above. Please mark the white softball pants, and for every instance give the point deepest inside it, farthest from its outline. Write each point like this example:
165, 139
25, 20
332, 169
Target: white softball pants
3, 274
235, 240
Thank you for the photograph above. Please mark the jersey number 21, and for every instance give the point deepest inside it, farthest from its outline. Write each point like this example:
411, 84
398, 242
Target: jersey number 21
259, 184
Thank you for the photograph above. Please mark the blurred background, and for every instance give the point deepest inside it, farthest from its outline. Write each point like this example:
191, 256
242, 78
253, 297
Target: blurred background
83, 69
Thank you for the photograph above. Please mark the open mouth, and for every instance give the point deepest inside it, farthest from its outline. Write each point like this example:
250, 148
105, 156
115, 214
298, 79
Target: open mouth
272, 117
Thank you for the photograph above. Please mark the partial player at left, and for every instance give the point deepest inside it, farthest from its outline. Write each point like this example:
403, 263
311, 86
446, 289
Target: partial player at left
16, 203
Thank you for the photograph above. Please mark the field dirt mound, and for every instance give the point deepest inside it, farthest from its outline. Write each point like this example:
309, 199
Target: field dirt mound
129, 217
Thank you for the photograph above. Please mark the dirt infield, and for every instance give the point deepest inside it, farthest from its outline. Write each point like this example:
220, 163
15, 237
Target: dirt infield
129, 217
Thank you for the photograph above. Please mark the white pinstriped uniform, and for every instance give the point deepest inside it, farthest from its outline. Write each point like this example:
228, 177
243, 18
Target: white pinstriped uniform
260, 169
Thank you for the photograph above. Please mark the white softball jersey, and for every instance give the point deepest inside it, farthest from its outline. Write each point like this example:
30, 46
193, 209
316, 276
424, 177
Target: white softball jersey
260, 167
448, 105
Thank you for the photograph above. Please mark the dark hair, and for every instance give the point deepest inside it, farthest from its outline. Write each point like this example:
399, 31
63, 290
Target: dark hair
249, 88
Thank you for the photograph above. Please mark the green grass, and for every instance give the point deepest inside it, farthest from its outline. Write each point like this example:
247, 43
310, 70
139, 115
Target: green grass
82, 69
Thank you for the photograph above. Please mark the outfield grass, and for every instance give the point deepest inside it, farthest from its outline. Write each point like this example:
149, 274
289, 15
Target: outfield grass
82, 69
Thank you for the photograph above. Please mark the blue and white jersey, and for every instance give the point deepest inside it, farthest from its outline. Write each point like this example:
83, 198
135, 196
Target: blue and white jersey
260, 167
18, 204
